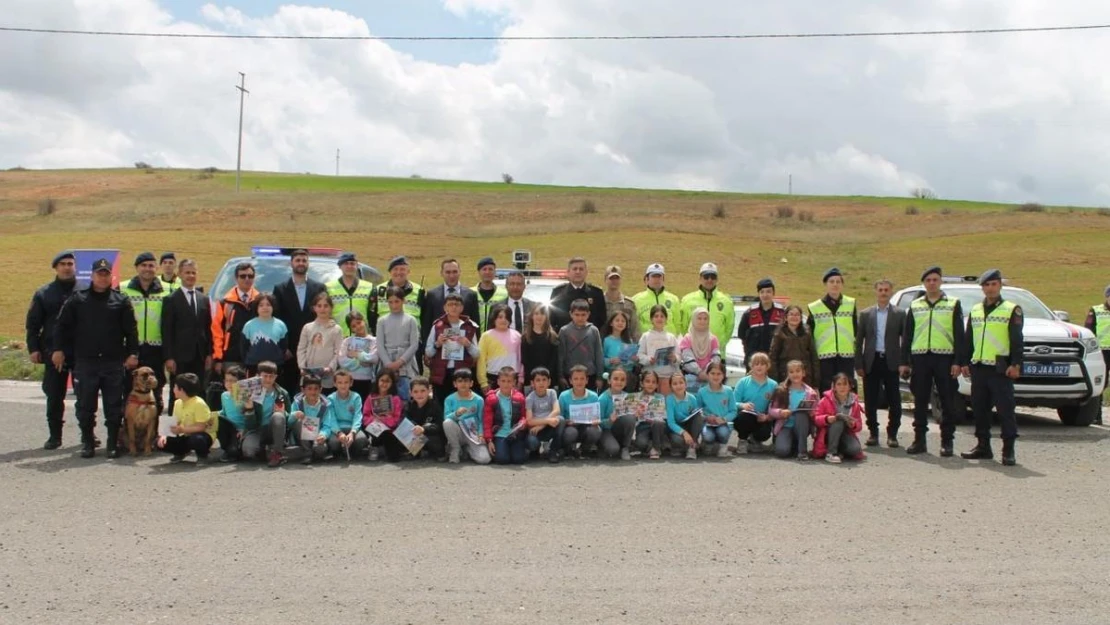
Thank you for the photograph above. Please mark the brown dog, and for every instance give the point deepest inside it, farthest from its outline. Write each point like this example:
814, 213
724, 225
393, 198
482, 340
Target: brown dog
141, 414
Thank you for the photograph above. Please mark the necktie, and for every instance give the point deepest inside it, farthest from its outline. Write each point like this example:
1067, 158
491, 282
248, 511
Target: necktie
192, 301
450, 290
517, 317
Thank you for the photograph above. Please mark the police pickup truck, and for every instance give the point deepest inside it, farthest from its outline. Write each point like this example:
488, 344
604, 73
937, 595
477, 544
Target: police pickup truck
271, 268
1063, 366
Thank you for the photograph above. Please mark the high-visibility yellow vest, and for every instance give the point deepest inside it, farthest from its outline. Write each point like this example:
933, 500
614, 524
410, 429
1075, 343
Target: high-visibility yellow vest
933, 326
342, 303
991, 333
1102, 325
170, 287
647, 299
500, 295
412, 301
834, 333
148, 310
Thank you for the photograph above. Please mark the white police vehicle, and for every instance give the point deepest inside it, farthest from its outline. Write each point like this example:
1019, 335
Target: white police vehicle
1063, 366
271, 268
538, 283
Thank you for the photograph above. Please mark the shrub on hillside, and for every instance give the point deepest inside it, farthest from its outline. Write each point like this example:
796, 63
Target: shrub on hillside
209, 170
719, 211
17, 168
784, 212
806, 216
47, 206
947, 210
1030, 207
1104, 212
587, 207
507, 178
142, 165
923, 193
912, 210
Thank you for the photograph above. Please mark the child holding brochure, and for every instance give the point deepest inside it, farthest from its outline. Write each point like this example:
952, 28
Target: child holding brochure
658, 347
358, 354
232, 416
697, 350
426, 413
452, 344
839, 419
318, 348
618, 417
544, 421
791, 407
268, 419
684, 418
462, 421
505, 420
343, 426
719, 409
195, 426
753, 401
582, 410
619, 350
310, 411
651, 415
381, 413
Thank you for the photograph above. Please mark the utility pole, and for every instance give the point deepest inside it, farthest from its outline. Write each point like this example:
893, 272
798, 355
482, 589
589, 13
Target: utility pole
790, 185
242, 87
336, 161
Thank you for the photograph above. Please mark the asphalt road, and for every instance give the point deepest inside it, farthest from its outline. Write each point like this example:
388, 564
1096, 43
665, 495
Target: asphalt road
749, 539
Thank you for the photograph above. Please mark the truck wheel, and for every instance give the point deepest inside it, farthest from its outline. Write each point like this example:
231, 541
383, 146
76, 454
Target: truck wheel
1081, 415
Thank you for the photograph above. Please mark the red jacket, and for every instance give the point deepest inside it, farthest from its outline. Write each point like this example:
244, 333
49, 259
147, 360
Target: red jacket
825, 413
437, 366
491, 414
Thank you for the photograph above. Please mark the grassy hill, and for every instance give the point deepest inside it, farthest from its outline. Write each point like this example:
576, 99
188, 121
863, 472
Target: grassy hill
1059, 252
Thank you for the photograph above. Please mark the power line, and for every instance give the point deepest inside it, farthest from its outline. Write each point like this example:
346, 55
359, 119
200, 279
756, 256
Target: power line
826, 35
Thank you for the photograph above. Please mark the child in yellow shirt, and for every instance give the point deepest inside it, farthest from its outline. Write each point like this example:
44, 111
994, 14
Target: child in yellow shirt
196, 425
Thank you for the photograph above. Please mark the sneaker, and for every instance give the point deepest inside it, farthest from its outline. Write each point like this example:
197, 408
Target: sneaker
625, 454
832, 459
722, 451
177, 459
653, 454
554, 457
375, 453
307, 460
691, 453
203, 461
754, 447
872, 441
802, 457
276, 459
892, 441
229, 457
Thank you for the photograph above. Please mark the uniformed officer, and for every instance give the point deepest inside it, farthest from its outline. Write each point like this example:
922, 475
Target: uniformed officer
722, 313
833, 324
656, 294
348, 292
147, 297
575, 288
1098, 321
489, 294
97, 326
934, 337
41, 317
759, 323
994, 349
169, 278
399, 277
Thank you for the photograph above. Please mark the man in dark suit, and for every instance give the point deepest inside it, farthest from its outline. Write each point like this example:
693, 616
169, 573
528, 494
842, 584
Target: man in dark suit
577, 288
879, 361
187, 328
520, 307
434, 297
294, 308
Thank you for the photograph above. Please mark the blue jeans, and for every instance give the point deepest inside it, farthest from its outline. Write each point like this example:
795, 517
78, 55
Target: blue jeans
510, 450
716, 434
553, 434
403, 388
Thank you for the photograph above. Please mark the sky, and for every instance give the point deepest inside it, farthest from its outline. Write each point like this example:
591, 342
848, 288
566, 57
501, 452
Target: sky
1016, 118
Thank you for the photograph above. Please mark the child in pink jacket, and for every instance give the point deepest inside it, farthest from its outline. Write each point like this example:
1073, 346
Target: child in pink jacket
839, 419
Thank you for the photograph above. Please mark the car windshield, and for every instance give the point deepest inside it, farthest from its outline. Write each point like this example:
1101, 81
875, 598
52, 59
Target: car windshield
539, 292
269, 272
1031, 307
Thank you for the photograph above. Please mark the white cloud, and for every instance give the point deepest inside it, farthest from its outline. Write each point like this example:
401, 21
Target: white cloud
1007, 117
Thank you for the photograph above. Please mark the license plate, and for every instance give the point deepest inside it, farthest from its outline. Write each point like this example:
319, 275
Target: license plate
1046, 369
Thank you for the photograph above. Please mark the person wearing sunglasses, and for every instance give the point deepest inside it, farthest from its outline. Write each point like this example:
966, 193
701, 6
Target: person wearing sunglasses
722, 313
233, 312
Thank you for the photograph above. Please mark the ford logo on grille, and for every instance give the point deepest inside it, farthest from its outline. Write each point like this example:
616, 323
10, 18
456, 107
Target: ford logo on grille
1042, 350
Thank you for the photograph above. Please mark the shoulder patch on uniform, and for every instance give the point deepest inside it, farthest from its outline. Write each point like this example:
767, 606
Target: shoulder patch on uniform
720, 306
667, 303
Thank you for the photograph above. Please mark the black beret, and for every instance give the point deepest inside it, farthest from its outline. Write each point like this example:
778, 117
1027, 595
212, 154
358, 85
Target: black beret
62, 256
143, 258
397, 262
101, 264
166, 256
833, 271
932, 270
990, 274
486, 261
346, 257
765, 283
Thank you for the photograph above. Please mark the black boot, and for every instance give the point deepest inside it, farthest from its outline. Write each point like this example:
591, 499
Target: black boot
55, 440
981, 451
918, 446
1008, 457
946, 449
88, 450
113, 441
